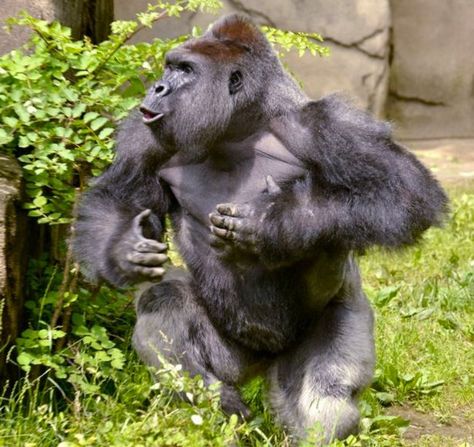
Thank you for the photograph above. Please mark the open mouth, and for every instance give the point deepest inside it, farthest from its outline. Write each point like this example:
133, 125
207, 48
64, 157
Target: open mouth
149, 116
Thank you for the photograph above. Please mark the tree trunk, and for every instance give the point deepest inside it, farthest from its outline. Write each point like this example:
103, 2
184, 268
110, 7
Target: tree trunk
13, 257
90, 18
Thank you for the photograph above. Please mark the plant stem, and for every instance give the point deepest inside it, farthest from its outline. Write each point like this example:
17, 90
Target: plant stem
126, 39
63, 288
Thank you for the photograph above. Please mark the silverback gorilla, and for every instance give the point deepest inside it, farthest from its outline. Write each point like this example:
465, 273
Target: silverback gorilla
270, 194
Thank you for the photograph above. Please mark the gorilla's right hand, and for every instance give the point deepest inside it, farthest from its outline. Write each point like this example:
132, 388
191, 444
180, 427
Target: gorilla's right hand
139, 258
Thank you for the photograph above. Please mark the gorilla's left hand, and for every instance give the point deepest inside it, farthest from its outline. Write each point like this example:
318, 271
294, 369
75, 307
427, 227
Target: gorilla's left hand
239, 227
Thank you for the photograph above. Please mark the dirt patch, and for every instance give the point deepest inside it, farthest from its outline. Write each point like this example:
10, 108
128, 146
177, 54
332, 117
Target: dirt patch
459, 427
451, 161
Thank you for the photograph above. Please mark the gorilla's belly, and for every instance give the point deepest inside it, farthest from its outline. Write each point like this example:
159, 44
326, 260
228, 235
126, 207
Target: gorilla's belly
259, 309
251, 305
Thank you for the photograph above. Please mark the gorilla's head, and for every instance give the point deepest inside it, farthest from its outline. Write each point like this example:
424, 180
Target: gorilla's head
221, 86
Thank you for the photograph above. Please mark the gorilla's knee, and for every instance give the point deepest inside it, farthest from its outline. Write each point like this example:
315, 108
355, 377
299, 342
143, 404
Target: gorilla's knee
171, 324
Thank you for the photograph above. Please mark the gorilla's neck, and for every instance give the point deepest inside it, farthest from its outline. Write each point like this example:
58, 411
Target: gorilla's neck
245, 124
279, 98
282, 96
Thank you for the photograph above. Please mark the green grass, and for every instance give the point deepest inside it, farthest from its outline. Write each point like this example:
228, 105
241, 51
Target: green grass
423, 300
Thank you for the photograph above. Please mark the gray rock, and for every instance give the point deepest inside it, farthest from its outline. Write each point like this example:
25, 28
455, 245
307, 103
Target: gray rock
82, 16
432, 73
43, 9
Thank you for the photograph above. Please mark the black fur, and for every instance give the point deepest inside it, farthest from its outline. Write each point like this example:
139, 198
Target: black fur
269, 194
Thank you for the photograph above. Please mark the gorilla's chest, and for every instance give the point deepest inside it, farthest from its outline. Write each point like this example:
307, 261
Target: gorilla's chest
235, 174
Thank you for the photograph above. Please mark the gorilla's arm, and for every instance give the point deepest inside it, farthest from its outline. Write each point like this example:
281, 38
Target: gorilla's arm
361, 189
115, 237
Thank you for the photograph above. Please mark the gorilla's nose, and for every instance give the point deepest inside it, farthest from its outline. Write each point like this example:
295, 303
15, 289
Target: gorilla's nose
162, 88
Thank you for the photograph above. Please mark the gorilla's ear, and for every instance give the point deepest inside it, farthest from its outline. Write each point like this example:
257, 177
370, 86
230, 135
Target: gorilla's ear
239, 29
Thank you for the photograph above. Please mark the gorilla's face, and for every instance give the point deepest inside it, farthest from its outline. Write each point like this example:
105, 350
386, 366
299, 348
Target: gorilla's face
214, 89
180, 81
192, 104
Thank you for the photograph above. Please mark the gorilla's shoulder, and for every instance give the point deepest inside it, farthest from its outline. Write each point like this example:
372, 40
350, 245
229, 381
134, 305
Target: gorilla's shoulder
330, 127
337, 114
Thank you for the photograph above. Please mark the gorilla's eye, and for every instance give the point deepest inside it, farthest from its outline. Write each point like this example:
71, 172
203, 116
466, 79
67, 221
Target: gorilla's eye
235, 82
184, 66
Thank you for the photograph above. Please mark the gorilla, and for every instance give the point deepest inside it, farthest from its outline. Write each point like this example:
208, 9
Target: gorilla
270, 195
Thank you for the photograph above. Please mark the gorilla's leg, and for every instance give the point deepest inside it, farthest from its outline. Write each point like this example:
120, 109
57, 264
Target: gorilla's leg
172, 323
314, 388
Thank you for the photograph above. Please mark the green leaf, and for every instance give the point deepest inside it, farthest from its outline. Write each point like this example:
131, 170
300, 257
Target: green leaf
78, 110
104, 133
23, 141
21, 112
40, 201
98, 123
24, 358
4, 137
89, 116
448, 322
9, 121
386, 295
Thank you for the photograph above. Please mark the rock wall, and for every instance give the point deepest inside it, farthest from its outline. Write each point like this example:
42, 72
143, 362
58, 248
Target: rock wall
432, 70
43, 9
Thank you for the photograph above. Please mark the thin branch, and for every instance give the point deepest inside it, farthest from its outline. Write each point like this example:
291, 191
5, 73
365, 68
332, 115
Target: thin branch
63, 288
66, 324
120, 43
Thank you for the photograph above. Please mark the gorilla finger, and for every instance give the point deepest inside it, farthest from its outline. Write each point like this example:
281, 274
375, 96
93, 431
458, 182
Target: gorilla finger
225, 222
150, 272
151, 259
225, 234
232, 209
150, 245
138, 219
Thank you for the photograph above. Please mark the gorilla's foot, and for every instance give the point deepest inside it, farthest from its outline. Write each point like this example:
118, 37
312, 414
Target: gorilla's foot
313, 416
328, 418
231, 402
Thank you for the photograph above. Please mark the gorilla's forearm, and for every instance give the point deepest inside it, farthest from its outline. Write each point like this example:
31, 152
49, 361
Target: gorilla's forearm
392, 209
106, 214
